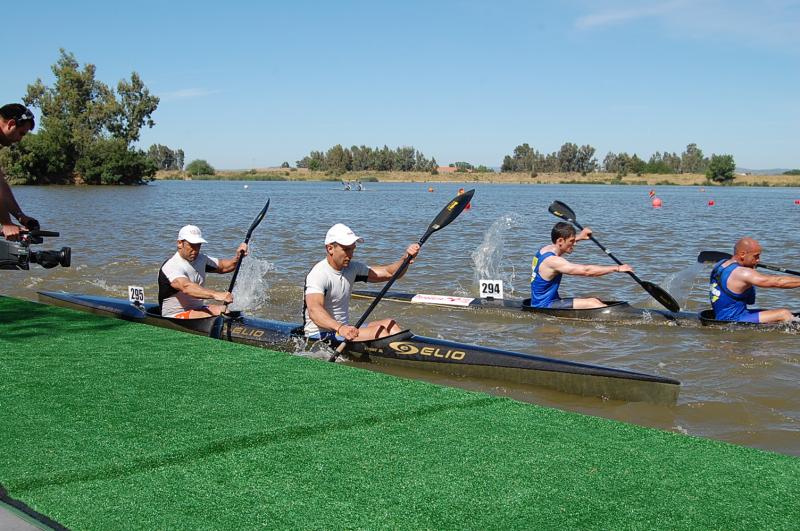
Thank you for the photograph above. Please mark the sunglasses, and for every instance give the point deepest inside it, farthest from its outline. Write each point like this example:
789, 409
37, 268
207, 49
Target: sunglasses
26, 116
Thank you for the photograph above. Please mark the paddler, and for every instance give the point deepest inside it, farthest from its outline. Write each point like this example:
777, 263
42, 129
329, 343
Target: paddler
326, 295
733, 286
181, 278
549, 265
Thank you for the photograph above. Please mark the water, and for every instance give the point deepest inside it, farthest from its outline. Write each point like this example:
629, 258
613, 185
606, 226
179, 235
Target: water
738, 386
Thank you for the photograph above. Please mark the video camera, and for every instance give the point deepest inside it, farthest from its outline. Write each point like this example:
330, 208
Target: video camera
17, 255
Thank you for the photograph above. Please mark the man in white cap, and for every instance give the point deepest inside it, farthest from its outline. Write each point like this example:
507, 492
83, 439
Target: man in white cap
330, 282
181, 278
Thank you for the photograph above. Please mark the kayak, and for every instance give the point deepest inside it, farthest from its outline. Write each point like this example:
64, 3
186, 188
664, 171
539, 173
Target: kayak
707, 319
615, 311
404, 348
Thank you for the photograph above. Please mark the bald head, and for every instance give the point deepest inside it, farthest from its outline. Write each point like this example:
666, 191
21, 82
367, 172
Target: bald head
746, 245
747, 252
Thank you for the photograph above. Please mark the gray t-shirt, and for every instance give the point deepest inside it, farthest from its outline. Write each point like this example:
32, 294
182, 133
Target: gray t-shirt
336, 286
195, 271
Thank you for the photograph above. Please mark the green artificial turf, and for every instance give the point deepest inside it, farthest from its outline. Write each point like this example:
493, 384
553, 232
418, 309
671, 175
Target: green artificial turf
111, 425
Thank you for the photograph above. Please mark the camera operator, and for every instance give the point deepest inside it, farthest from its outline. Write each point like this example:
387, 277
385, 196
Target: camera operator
16, 121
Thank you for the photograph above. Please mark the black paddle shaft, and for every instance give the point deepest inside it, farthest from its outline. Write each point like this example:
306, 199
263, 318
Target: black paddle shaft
564, 212
253, 226
445, 217
216, 330
716, 256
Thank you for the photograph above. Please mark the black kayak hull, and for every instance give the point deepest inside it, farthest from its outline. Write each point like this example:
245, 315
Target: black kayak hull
615, 311
406, 349
707, 318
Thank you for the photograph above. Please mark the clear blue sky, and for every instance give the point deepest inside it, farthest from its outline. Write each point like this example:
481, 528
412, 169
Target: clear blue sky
246, 84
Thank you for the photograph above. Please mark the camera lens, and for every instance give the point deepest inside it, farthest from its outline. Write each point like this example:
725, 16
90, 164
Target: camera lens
49, 259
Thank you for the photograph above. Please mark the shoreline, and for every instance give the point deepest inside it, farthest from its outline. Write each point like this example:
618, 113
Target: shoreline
293, 174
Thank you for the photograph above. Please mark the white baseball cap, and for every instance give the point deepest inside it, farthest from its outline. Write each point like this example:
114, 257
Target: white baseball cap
191, 234
341, 234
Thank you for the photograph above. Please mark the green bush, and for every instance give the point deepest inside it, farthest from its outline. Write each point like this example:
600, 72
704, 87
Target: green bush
721, 169
112, 162
200, 167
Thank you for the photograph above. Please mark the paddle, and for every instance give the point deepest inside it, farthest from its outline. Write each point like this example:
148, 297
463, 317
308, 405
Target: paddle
716, 256
445, 217
564, 212
216, 331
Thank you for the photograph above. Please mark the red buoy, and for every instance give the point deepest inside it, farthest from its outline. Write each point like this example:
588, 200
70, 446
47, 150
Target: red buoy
797, 201
711, 202
651, 193
656, 202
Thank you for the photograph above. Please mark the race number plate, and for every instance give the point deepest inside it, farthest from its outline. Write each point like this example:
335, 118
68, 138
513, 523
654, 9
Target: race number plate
444, 300
491, 288
136, 294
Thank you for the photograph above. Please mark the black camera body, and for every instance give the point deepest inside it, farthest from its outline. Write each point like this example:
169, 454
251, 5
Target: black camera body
18, 255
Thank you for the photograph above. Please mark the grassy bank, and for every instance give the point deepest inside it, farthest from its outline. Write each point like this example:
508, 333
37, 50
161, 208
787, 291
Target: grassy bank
115, 425
688, 179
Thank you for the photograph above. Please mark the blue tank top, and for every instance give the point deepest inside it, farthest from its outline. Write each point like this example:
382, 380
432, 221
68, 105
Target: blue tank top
543, 292
728, 306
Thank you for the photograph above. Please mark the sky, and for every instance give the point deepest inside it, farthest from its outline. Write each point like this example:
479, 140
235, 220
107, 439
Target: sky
254, 84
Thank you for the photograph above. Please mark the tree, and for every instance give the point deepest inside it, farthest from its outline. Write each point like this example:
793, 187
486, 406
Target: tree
338, 159
567, 157
523, 159
79, 116
692, 160
165, 158
285, 165
636, 165
200, 167
721, 169
110, 161
584, 159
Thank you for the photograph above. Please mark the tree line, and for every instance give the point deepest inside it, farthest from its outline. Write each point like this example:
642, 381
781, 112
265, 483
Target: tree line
339, 159
87, 133
571, 158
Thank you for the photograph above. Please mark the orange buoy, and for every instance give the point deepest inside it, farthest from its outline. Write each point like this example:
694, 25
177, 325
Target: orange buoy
656, 202
711, 202
430, 188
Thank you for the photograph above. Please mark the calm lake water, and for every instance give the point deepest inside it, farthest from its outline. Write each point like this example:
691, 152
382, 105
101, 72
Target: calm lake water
738, 386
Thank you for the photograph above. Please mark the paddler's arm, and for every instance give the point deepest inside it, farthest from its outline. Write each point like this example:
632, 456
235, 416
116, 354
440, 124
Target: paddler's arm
184, 285
753, 277
562, 265
315, 304
226, 265
384, 273
8, 206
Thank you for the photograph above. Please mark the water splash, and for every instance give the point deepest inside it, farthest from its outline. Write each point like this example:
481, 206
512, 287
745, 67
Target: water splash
251, 290
488, 258
681, 285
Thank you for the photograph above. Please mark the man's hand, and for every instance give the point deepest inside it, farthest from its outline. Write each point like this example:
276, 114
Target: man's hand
624, 268
412, 251
11, 231
584, 234
29, 222
224, 296
241, 251
348, 332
